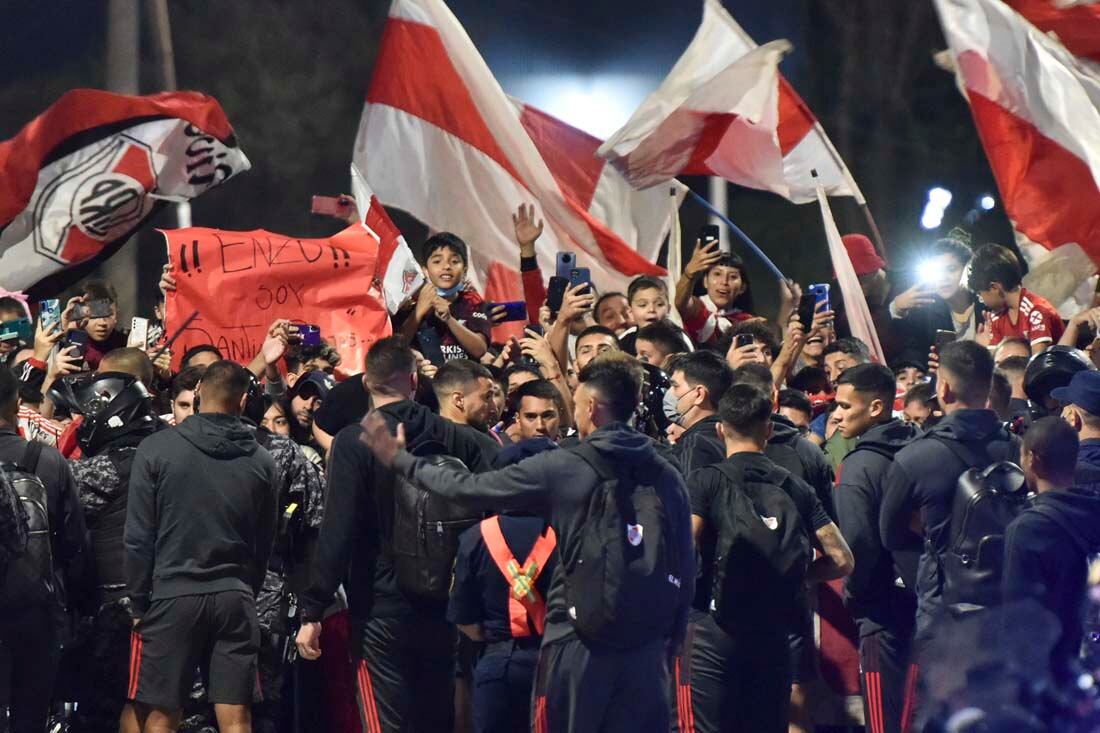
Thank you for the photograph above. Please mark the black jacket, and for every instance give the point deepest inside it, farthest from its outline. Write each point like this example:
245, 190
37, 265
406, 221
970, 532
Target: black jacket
558, 484
358, 521
201, 513
69, 542
871, 592
807, 461
1046, 561
698, 446
923, 480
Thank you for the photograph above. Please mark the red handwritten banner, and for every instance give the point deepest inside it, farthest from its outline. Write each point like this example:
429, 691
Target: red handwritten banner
239, 282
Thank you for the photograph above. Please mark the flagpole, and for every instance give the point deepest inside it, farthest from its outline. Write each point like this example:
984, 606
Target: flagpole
857, 194
740, 234
718, 193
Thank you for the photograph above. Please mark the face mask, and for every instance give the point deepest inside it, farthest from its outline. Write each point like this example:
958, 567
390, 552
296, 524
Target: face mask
447, 293
671, 407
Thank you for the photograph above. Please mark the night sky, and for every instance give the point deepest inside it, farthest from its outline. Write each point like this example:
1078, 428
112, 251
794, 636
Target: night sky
292, 75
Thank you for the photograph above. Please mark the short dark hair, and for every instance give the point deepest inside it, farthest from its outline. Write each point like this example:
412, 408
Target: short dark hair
924, 393
850, 346
607, 296
796, 400
754, 375
604, 330
186, 380
972, 365
129, 360
388, 358
520, 369
875, 380
446, 240
98, 289
617, 382
1015, 366
298, 354
645, 282
457, 375
1000, 393
760, 331
9, 392
1014, 340
8, 303
1055, 443
810, 379
226, 381
539, 388
745, 409
993, 263
199, 349
705, 368
954, 246
665, 334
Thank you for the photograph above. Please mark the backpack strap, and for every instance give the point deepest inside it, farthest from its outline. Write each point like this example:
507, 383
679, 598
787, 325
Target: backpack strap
524, 600
31, 454
1064, 523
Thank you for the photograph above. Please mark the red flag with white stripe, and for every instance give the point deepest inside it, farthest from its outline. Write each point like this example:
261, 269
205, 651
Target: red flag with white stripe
712, 116
440, 139
1037, 111
91, 169
397, 273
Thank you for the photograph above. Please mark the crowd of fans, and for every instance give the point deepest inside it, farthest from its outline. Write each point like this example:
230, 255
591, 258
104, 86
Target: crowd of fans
619, 520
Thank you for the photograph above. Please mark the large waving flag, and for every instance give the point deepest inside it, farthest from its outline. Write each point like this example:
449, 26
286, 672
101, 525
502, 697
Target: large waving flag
1037, 111
701, 121
92, 168
440, 139
1075, 24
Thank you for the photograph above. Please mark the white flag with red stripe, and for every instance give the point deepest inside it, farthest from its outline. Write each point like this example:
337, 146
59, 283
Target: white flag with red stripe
92, 168
1037, 111
704, 120
440, 139
397, 273
860, 322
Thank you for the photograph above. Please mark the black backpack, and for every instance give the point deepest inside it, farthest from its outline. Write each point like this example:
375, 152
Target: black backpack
29, 578
988, 497
622, 570
426, 528
762, 551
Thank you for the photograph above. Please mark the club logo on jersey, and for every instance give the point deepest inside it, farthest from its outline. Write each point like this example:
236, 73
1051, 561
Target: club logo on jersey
634, 534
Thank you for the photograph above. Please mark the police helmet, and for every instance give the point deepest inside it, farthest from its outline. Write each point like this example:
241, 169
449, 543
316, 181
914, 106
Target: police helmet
112, 404
1052, 368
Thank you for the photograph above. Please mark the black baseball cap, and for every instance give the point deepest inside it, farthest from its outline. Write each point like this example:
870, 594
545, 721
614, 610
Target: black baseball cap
1083, 391
317, 381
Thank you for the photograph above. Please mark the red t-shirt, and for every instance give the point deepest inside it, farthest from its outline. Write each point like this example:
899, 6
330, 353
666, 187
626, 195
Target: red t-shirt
1037, 322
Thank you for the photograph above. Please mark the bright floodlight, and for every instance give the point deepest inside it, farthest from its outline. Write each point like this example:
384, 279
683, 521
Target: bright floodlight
932, 217
987, 202
598, 104
940, 198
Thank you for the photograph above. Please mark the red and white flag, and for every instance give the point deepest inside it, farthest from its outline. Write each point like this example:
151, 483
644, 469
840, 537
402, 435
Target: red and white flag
725, 110
397, 273
1037, 110
440, 140
860, 322
1075, 24
92, 168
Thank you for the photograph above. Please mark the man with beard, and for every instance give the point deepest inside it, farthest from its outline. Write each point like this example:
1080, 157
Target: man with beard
464, 389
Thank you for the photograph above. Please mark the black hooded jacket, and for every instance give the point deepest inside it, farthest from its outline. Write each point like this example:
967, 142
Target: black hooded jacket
358, 521
1046, 560
923, 480
791, 450
201, 511
558, 485
871, 592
